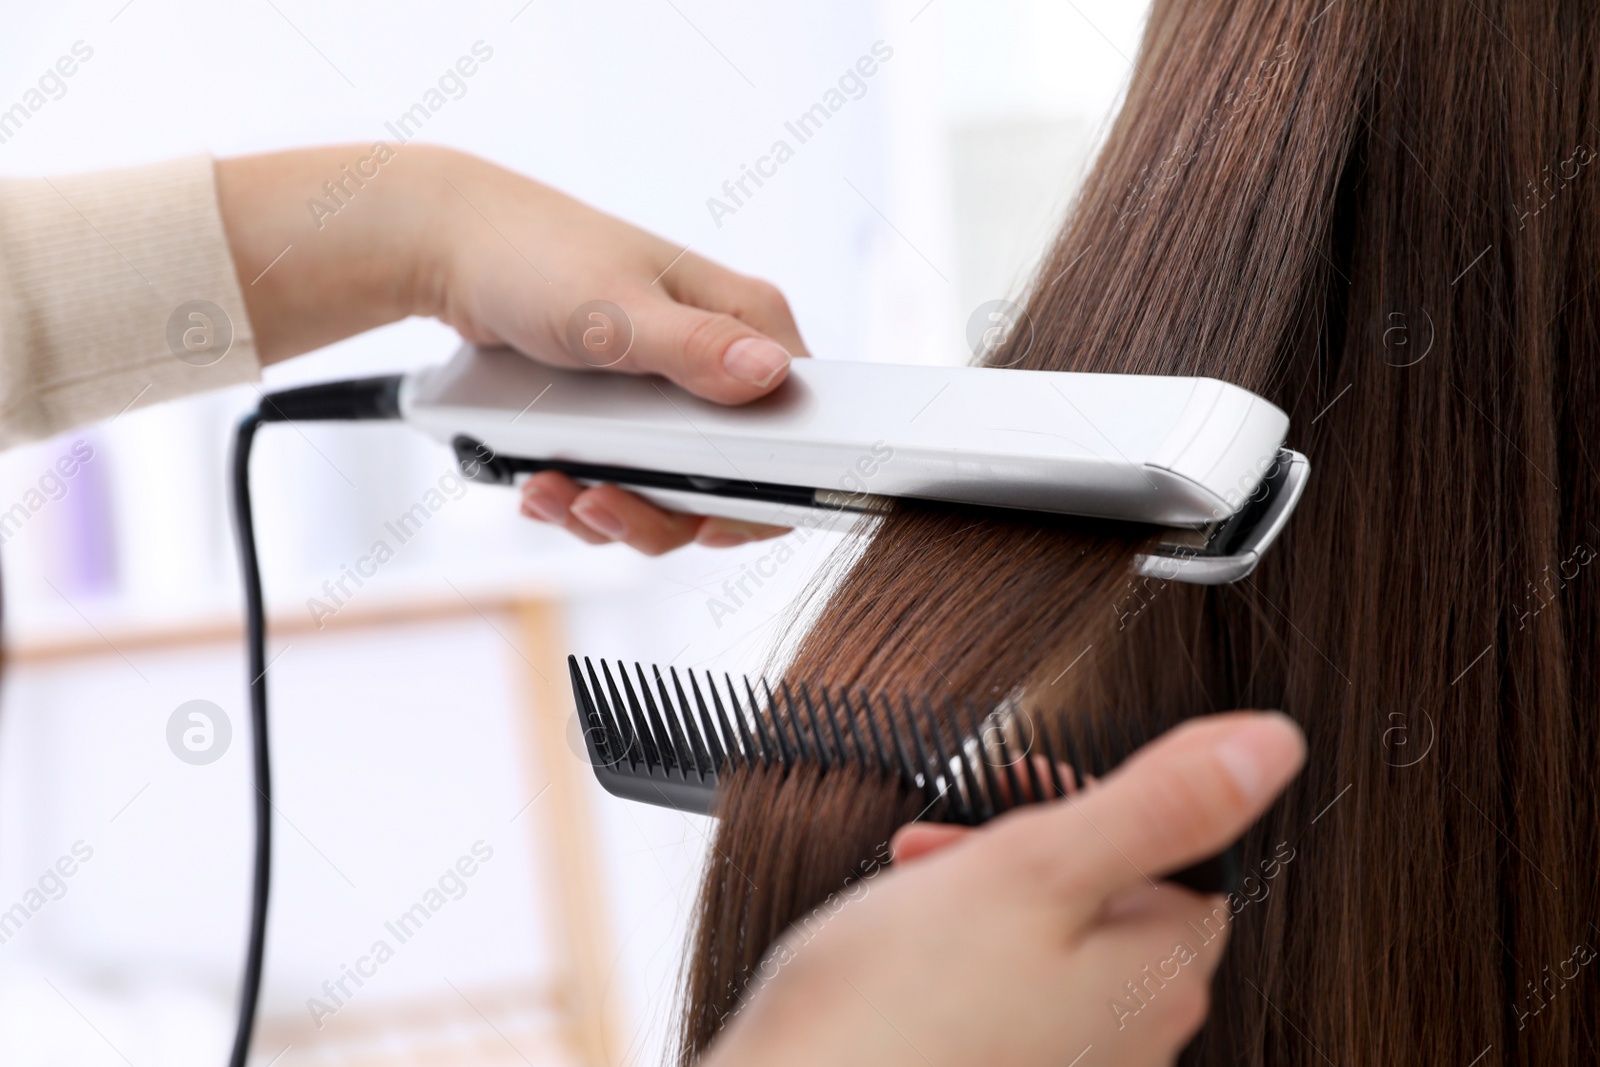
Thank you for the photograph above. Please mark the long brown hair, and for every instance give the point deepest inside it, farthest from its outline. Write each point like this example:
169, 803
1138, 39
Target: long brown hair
1379, 215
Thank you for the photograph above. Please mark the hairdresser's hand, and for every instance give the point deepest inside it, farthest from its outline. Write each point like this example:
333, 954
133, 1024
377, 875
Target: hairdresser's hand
330, 242
1017, 945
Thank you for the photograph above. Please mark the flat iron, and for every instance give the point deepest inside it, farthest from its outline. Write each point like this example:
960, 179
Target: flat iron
841, 440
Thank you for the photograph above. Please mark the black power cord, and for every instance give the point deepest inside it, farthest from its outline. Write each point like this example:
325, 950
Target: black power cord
356, 400
256, 646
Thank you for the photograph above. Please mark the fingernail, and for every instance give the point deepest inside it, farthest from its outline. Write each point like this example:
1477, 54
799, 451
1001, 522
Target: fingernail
542, 505
1263, 754
601, 521
755, 360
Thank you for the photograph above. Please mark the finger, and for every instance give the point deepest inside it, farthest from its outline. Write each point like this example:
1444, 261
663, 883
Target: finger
615, 514
918, 839
618, 515
700, 282
710, 353
547, 497
718, 532
1181, 798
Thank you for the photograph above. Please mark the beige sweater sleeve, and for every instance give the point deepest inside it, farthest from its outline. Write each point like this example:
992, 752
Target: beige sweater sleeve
117, 290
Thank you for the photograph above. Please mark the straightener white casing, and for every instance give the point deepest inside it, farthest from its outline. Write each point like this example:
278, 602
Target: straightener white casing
838, 439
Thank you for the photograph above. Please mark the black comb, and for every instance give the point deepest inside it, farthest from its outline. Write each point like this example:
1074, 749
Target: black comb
661, 740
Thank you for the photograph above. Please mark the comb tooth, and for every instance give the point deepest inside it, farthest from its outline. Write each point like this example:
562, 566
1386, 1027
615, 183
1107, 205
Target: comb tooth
980, 804
825, 756
655, 754
1094, 748
978, 777
855, 731
807, 737
988, 787
974, 757
649, 731
623, 746
809, 740
1106, 755
1125, 742
959, 798
718, 759
1111, 743
597, 716
786, 752
1035, 786
788, 721
738, 743
953, 789
679, 712
767, 723
930, 793
675, 750
810, 746
768, 751
833, 722
638, 714
1013, 792
1052, 761
885, 759
676, 754
595, 735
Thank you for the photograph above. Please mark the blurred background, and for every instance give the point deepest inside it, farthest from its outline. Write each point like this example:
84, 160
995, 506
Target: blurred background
424, 731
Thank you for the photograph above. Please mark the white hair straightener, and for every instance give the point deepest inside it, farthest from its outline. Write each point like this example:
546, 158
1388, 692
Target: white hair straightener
836, 442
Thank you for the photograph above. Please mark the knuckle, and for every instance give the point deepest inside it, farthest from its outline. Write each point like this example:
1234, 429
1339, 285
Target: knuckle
581, 532
663, 536
553, 483
651, 547
706, 336
768, 298
1025, 849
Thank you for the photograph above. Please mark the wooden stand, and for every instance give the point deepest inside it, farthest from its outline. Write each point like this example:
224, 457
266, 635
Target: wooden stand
564, 1019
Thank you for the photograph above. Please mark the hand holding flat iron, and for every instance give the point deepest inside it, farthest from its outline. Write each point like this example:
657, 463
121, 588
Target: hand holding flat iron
505, 260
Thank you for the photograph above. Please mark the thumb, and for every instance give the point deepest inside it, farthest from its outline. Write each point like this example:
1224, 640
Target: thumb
1181, 798
709, 353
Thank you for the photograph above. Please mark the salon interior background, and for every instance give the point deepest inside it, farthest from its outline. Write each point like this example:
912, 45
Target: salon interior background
948, 137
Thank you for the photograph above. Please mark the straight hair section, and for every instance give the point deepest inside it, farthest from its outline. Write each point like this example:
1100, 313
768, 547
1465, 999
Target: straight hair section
1380, 215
